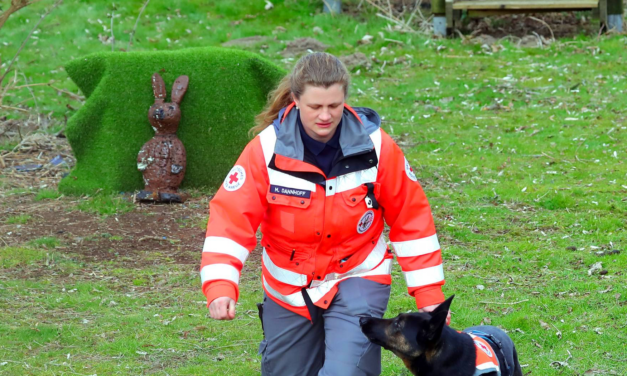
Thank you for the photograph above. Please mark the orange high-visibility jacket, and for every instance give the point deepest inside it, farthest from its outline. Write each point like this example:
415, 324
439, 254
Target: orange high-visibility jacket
319, 230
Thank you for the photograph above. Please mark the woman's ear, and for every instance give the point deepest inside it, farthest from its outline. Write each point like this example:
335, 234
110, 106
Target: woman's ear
158, 87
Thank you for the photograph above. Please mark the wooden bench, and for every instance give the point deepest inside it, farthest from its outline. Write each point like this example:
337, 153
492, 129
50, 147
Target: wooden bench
484, 8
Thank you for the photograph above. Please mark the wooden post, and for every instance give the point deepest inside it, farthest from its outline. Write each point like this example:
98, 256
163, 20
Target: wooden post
603, 13
615, 7
615, 15
450, 17
438, 9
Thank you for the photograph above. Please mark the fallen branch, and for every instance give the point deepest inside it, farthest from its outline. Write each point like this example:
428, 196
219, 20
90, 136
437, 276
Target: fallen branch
545, 24
32, 95
14, 108
514, 303
416, 9
401, 23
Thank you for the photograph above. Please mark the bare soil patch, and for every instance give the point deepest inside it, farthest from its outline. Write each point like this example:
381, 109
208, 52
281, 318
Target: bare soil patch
149, 234
558, 25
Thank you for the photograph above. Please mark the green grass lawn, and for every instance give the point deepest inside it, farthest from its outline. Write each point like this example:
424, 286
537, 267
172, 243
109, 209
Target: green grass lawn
520, 151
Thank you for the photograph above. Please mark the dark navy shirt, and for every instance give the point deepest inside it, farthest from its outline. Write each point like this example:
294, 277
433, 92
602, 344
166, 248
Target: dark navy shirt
321, 154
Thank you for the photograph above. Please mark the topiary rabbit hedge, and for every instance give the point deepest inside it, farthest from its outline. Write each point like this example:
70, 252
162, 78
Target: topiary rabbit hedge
227, 88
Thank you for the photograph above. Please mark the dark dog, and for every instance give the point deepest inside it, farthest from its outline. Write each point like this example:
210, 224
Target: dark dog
428, 347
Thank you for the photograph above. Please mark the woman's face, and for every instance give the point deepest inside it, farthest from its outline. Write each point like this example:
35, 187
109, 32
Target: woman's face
321, 110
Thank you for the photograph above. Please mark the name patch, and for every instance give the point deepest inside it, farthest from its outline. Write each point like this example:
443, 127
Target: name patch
277, 189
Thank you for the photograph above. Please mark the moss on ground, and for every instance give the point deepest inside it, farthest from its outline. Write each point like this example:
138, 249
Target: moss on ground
227, 89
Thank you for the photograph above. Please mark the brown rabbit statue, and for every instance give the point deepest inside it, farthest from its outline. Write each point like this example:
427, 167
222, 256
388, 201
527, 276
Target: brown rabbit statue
162, 159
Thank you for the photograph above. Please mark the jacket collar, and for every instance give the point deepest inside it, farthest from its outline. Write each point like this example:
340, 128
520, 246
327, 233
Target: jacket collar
354, 138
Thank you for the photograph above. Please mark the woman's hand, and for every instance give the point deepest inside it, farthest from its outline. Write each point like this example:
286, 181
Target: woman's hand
434, 306
222, 308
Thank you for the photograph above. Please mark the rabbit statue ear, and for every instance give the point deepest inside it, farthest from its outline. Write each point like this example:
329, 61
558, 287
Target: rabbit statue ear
179, 88
158, 87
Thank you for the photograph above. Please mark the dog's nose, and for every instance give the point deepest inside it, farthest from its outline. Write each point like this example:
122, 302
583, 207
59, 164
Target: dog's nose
363, 320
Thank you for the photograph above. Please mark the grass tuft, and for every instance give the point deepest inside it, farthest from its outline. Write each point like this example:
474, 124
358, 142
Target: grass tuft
47, 194
45, 242
11, 257
19, 219
106, 205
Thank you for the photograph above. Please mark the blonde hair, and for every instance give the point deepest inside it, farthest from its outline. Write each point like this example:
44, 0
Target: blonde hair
318, 69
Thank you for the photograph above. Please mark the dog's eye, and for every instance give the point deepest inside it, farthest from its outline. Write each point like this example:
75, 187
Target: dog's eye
397, 325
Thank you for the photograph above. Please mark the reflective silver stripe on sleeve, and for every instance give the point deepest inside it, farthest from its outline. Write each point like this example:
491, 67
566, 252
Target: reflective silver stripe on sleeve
225, 246
423, 277
214, 272
283, 275
417, 247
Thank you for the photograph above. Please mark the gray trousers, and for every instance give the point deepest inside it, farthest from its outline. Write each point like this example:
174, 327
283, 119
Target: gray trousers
333, 344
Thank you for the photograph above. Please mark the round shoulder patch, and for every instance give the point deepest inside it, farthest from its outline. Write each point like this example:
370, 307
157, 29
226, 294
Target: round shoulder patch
235, 178
409, 171
365, 222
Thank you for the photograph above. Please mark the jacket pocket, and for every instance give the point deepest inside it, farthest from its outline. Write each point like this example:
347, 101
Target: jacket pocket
354, 196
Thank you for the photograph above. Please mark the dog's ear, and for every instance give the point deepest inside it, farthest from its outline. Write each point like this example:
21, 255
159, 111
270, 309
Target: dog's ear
445, 305
438, 320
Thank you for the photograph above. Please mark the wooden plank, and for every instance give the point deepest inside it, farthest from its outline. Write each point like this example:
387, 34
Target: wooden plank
497, 12
525, 4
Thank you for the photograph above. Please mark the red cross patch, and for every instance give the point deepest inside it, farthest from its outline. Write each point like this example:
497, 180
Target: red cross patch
235, 178
409, 171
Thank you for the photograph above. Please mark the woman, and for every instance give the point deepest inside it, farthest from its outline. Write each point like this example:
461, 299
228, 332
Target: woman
320, 178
